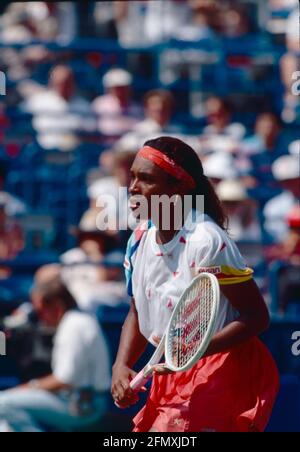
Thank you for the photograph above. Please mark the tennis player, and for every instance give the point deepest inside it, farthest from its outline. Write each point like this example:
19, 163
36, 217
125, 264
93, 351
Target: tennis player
234, 386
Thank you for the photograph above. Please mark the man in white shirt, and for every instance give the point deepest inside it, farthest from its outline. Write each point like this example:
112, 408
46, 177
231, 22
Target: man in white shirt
73, 396
286, 171
58, 112
116, 111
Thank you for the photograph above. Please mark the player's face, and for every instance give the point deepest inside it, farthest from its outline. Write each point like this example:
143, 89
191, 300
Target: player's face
147, 180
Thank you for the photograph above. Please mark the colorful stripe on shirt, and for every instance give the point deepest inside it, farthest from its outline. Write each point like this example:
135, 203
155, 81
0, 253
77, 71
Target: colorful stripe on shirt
132, 246
227, 275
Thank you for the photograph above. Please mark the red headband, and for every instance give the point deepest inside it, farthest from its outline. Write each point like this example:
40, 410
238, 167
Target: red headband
167, 165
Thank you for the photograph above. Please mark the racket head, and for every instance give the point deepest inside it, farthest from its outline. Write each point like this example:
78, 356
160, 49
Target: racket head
193, 323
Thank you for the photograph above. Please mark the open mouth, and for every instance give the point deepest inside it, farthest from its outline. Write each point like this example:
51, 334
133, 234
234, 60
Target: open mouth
133, 207
134, 203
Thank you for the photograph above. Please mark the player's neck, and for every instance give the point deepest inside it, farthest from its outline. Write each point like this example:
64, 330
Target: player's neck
163, 237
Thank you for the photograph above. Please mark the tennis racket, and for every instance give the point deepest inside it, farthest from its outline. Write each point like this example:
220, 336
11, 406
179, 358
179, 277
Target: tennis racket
190, 329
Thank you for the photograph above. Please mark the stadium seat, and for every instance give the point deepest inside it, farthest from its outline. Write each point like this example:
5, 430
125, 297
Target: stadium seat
278, 275
278, 339
39, 231
286, 413
9, 373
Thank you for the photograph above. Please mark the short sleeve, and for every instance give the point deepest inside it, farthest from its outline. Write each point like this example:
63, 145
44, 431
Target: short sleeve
80, 356
220, 255
132, 246
128, 265
69, 344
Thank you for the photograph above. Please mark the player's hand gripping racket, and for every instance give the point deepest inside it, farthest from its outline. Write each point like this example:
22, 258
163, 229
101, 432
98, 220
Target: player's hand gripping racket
189, 331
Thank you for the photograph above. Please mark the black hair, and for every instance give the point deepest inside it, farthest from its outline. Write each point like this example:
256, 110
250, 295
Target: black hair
186, 157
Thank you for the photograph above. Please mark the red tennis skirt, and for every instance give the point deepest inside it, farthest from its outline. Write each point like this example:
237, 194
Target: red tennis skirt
225, 392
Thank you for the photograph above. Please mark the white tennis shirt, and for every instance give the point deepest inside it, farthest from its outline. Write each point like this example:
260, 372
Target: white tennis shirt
158, 274
80, 355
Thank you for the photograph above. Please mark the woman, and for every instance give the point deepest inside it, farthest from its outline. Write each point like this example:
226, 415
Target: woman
233, 387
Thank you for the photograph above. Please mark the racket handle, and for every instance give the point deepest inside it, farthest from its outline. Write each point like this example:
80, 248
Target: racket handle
139, 381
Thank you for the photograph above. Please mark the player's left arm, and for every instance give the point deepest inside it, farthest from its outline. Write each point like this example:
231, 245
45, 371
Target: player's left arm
253, 317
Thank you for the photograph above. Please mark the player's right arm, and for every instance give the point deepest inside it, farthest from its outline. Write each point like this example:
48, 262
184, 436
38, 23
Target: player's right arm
132, 345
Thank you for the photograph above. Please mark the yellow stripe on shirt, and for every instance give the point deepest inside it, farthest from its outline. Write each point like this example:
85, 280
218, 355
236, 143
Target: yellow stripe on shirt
228, 275
231, 275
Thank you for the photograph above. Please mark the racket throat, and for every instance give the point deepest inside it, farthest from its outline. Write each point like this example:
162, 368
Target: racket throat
151, 367
148, 371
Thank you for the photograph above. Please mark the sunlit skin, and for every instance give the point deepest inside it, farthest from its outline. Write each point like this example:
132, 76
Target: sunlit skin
147, 179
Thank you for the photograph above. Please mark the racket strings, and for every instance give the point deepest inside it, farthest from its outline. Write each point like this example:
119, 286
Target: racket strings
191, 323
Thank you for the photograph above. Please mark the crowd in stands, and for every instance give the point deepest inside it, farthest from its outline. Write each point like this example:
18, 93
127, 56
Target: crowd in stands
87, 83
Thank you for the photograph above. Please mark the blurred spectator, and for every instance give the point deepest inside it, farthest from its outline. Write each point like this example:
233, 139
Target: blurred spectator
243, 224
220, 166
145, 23
265, 149
287, 253
59, 113
218, 114
235, 22
116, 187
74, 394
93, 271
221, 134
106, 285
11, 236
286, 172
24, 315
289, 65
266, 136
289, 249
202, 22
209, 10
158, 110
104, 18
116, 110
294, 147
281, 4
95, 284
46, 274
45, 21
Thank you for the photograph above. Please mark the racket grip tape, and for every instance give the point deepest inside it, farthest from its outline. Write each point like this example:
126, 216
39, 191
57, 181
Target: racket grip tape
139, 381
